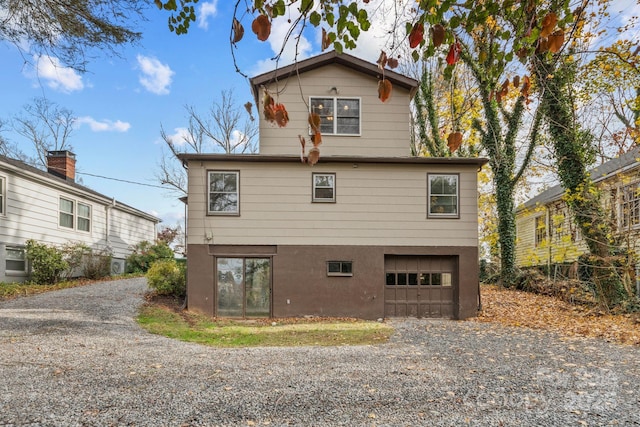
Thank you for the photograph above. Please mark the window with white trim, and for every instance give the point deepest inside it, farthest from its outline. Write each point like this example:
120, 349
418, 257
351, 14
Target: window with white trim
540, 230
67, 213
324, 187
15, 260
3, 195
338, 116
223, 194
74, 215
630, 206
443, 197
84, 217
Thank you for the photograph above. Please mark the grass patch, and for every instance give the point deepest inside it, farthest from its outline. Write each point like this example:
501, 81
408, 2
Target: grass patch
14, 290
172, 323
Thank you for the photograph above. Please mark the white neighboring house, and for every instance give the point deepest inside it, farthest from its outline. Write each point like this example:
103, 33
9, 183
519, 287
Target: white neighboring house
51, 208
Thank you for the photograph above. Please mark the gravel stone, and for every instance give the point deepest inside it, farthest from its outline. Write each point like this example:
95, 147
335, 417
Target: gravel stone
76, 357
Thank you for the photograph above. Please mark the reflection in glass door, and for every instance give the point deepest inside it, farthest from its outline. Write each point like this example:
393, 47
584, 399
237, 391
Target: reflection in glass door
243, 287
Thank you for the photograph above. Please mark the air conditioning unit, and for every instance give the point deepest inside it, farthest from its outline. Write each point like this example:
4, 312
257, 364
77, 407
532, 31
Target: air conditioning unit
117, 266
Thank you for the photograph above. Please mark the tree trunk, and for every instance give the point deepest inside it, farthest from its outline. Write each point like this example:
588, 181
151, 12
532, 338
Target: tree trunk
571, 147
506, 224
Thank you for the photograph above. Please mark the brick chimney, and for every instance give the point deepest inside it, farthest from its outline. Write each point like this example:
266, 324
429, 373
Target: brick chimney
62, 164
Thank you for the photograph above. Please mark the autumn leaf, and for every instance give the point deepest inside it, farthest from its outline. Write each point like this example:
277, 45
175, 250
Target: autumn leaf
326, 42
556, 40
314, 156
454, 53
274, 112
314, 121
543, 45
526, 85
238, 30
261, 26
437, 35
504, 91
516, 81
382, 60
416, 35
511, 307
267, 106
302, 143
548, 24
454, 140
384, 89
522, 53
316, 138
392, 63
281, 115
249, 107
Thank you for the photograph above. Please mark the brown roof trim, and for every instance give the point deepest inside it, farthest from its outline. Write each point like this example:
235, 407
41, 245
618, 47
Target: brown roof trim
261, 158
332, 57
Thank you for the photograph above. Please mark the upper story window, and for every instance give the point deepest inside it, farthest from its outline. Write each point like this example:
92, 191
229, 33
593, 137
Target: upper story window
630, 205
324, 187
74, 215
443, 195
540, 230
3, 196
338, 116
224, 192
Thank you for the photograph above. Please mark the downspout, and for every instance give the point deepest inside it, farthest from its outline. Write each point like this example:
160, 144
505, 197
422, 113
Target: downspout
108, 222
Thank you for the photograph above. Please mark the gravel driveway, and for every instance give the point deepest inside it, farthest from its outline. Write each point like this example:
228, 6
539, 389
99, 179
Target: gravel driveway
76, 358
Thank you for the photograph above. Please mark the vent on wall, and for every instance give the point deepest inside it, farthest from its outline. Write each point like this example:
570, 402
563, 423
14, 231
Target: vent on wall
117, 266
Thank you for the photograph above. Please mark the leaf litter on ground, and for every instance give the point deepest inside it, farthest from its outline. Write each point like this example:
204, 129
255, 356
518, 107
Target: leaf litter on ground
516, 308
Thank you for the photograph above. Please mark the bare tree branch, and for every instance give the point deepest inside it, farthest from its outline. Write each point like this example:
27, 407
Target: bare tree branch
47, 126
227, 127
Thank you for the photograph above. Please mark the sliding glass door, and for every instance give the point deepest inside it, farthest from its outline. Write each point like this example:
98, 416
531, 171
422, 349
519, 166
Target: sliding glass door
243, 287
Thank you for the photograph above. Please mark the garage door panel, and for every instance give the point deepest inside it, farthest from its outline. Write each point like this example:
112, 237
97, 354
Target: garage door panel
415, 286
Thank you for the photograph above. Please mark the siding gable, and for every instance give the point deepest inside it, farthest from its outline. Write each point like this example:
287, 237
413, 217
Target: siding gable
384, 127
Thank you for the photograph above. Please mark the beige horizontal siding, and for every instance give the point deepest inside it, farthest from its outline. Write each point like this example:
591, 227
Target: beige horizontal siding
384, 126
384, 205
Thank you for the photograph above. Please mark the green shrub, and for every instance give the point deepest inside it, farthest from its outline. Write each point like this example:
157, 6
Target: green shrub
145, 254
97, 265
47, 263
167, 277
73, 254
85, 261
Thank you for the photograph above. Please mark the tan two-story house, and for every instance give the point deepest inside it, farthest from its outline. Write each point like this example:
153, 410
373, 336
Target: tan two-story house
367, 232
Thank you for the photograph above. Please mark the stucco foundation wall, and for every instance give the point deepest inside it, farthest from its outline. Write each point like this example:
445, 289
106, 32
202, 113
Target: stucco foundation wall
300, 285
200, 286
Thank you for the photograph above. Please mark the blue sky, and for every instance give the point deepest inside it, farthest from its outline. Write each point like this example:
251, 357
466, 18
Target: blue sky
122, 102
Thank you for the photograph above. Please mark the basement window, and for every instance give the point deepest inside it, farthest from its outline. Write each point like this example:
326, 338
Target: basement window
340, 268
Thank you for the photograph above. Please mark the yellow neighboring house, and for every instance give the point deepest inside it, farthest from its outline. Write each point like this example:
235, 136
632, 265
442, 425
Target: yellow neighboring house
546, 232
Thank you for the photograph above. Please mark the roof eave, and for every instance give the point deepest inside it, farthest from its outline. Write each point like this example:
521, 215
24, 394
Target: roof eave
261, 158
332, 57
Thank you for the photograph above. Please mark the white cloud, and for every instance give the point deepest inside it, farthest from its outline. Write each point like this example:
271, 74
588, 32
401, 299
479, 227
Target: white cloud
156, 77
104, 125
180, 136
207, 10
279, 29
57, 76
